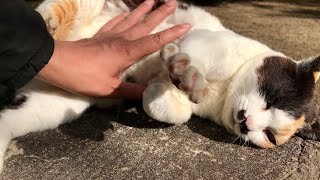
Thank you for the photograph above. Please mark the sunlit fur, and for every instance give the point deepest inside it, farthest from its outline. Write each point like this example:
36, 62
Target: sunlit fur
228, 61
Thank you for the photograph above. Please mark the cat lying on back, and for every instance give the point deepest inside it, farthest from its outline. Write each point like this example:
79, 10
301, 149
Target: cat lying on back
253, 91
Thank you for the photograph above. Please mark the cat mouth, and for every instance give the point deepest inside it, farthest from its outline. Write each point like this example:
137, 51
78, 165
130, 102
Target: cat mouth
270, 136
269, 140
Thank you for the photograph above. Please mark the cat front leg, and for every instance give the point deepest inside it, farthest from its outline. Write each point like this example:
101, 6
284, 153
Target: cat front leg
164, 102
187, 78
5, 138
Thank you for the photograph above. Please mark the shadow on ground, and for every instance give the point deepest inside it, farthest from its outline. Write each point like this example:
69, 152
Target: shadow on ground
94, 122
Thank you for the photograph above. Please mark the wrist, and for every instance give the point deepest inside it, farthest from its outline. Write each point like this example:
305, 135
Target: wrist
68, 61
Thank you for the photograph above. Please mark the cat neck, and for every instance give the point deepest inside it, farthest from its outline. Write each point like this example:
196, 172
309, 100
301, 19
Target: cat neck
213, 107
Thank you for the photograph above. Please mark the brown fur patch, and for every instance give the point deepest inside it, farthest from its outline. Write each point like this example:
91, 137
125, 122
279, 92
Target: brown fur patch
64, 15
285, 86
284, 134
15, 104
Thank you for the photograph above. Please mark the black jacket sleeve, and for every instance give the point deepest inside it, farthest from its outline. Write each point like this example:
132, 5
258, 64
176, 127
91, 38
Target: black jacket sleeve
25, 46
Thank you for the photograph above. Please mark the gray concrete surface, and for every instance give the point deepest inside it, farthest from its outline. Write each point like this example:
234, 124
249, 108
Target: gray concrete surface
127, 144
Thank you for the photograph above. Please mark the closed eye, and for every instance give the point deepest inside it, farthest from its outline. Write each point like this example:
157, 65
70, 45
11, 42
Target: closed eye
270, 136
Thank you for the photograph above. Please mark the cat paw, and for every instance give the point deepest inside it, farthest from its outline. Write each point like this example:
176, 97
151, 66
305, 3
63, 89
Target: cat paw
187, 78
177, 63
194, 84
161, 105
168, 51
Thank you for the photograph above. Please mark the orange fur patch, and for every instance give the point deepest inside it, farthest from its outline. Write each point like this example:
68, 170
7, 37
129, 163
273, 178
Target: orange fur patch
267, 145
284, 134
316, 76
64, 15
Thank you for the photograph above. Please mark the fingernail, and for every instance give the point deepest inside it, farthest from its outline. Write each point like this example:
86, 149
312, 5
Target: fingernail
149, 2
185, 26
171, 2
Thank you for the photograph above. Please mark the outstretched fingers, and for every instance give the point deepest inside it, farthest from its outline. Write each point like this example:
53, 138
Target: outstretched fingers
151, 43
112, 23
144, 27
134, 17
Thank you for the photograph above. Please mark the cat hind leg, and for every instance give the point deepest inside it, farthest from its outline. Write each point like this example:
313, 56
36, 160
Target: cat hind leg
5, 138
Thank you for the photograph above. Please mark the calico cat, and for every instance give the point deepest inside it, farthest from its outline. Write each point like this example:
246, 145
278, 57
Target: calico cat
253, 91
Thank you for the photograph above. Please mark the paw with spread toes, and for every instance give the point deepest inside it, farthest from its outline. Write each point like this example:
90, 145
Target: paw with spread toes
187, 78
193, 83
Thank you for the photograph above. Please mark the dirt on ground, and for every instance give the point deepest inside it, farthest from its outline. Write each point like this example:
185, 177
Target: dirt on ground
292, 28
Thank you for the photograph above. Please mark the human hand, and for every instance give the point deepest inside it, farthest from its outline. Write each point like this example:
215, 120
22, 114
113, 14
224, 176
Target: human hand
93, 66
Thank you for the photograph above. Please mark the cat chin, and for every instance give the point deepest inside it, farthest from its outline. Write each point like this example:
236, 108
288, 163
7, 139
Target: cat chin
257, 138
260, 139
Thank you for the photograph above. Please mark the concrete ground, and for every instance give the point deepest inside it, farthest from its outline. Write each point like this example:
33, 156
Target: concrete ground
126, 144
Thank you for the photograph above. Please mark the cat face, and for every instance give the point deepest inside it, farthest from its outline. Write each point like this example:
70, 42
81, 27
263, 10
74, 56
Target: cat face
271, 99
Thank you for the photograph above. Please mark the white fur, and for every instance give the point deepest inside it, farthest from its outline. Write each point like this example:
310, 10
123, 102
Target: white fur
227, 60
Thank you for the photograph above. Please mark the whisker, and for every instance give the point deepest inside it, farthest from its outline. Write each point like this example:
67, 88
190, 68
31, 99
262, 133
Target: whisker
237, 138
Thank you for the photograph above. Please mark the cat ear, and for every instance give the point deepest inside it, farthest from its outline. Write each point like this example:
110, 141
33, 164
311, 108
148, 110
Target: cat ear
311, 128
310, 68
310, 131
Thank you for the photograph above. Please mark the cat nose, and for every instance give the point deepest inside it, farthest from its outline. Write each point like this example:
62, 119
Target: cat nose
242, 118
243, 127
241, 115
